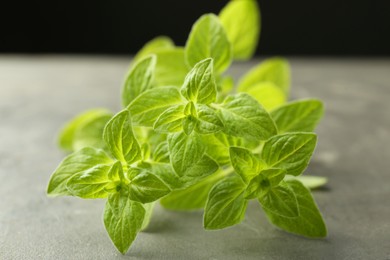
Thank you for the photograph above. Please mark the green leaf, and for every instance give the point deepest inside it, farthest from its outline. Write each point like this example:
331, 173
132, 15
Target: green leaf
156, 44
217, 146
193, 197
189, 123
241, 20
148, 106
310, 182
161, 153
166, 173
188, 158
119, 137
85, 125
170, 120
123, 220
148, 214
208, 39
268, 95
116, 172
225, 205
246, 164
262, 183
146, 187
298, 116
275, 70
309, 223
171, 67
89, 134
199, 85
76, 162
91, 183
139, 79
290, 151
244, 117
281, 201
208, 120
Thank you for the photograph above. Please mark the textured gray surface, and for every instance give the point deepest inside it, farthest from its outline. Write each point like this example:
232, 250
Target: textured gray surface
37, 94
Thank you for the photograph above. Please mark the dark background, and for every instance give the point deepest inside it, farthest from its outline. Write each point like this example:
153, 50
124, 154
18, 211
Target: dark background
302, 27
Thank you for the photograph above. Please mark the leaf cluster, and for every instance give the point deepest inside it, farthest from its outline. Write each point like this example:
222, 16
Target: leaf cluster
190, 137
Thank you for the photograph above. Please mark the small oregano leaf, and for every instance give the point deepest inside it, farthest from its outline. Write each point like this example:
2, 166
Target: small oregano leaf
309, 223
91, 183
246, 164
76, 162
281, 201
244, 117
225, 205
193, 197
84, 130
199, 85
145, 187
170, 120
241, 20
208, 39
275, 70
262, 183
139, 79
120, 140
298, 116
148, 106
188, 158
310, 182
154, 45
268, 95
208, 120
290, 151
171, 67
123, 220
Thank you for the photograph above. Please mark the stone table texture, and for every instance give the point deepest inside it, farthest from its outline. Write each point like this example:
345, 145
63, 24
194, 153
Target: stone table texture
39, 93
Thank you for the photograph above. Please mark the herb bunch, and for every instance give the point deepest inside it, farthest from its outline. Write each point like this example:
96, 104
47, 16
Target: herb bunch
189, 137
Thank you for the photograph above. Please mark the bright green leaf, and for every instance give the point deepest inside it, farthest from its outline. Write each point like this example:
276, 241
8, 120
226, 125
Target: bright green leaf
309, 223
246, 164
262, 183
189, 123
116, 172
91, 183
217, 146
188, 158
281, 201
298, 116
208, 39
244, 117
171, 67
275, 70
84, 130
139, 79
290, 151
310, 182
199, 85
123, 220
145, 187
161, 153
170, 120
193, 197
208, 120
225, 205
119, 137
241, 20
268, 95
148, 106
76, 162
154, 45
148, 214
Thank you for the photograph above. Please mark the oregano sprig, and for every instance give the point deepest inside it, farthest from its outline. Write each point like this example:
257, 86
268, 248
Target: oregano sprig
191, 138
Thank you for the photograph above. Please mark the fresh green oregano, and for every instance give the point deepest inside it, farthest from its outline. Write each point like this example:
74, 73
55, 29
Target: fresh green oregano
191, 138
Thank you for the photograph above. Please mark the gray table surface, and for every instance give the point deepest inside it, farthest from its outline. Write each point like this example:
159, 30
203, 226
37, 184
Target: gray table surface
39, 93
